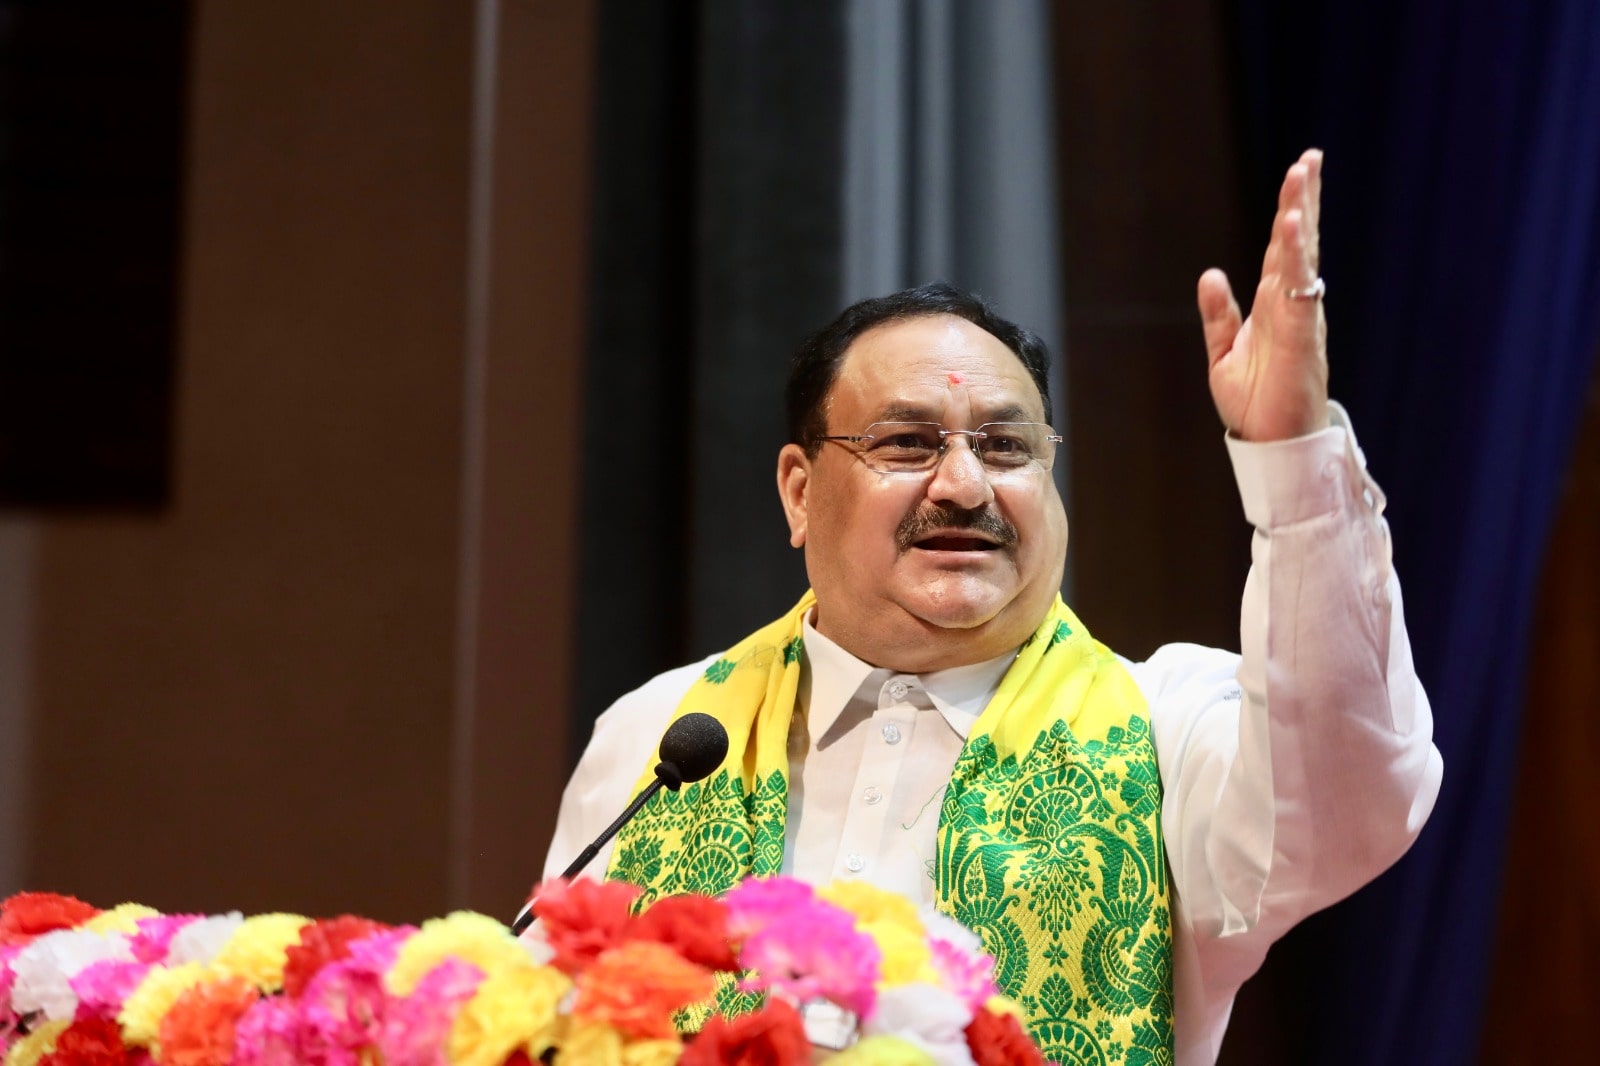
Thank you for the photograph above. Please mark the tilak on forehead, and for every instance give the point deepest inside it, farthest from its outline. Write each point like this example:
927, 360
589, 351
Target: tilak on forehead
956, 378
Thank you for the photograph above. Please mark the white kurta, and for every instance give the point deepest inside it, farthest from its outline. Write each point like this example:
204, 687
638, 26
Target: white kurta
1291, 774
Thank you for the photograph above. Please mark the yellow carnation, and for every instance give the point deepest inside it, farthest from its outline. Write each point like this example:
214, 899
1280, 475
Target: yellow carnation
652, 1053
36, 1045
122, 918
598, 1044
591, 1044
514, 1008
873, 906
906, 958
142, 1012
892, 922
257, 951
882, 1051
474, 938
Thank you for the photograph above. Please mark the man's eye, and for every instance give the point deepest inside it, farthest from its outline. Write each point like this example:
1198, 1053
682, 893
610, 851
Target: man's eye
907, 442
1005, 448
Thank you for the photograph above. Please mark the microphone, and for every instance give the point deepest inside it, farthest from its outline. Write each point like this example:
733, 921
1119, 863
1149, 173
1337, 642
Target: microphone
691, 748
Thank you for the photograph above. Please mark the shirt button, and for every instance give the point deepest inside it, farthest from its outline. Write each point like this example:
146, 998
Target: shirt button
1330, 469
898, 690
891, 734
873, 795
855, 863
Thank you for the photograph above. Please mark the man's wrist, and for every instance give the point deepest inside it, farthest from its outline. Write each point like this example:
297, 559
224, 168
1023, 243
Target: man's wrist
1287, 481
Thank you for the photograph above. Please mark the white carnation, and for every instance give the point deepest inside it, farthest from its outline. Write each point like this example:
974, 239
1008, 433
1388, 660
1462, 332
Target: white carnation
46, 967
537, 944
940, 926
202, 939
928, 1017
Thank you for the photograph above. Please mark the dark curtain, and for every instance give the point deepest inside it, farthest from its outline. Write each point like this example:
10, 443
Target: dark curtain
716, 250
1461, 241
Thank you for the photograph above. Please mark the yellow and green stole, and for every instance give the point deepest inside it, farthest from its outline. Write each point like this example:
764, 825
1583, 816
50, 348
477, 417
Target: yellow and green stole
1049, 840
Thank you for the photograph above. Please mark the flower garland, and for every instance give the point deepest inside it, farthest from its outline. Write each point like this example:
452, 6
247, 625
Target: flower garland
591, 982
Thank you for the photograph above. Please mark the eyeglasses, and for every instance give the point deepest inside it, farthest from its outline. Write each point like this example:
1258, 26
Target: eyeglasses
917, 447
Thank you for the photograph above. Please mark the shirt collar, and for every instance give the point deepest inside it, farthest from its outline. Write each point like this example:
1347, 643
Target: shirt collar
836, 677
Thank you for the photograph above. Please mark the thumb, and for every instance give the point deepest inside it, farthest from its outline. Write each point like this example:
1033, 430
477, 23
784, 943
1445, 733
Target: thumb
1219, 313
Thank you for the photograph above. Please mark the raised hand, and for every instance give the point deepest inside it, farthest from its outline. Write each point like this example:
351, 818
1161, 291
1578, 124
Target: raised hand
1269, 372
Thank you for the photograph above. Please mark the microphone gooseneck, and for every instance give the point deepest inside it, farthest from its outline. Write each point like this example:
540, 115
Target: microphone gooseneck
690, 750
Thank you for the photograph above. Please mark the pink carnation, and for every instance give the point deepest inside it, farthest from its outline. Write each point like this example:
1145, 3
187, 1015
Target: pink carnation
155, 934
970, 977
815, 953
342, 1010
416, 1027
7, 977
377, 952
268, 1034
760, 902
103, 987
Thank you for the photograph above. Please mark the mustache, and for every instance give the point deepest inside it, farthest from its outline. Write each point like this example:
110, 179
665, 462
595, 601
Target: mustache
934, 517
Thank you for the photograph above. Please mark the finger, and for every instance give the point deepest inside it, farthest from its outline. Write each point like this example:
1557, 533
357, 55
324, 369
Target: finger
1312, 160
1295, 269
1291, 197
1219, 313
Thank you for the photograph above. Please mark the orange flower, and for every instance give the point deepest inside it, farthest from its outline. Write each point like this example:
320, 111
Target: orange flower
30, 914
695, 926
772, 1036
198, 1030
638, 987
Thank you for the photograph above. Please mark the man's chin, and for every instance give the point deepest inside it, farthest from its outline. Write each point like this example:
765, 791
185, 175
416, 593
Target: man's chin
958, 609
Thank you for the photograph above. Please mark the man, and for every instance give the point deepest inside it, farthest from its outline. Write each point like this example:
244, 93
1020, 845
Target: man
1127, 838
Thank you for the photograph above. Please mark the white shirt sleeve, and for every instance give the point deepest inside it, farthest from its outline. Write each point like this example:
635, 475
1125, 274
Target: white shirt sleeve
1301, 769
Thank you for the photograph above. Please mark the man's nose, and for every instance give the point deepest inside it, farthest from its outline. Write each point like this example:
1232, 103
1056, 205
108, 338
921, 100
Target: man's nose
959, 476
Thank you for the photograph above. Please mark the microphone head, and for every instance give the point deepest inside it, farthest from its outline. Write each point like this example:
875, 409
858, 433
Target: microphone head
693, 746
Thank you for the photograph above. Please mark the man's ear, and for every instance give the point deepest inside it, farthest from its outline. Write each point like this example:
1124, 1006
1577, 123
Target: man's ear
794, 481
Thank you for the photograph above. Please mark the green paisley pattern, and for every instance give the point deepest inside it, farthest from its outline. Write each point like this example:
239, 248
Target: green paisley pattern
1086, 949
727, 835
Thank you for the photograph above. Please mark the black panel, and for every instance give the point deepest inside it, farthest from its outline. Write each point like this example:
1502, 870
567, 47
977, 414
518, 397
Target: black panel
716, 250
91, 151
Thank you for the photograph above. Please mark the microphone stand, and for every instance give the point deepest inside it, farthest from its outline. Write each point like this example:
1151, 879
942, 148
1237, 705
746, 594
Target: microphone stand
666, 775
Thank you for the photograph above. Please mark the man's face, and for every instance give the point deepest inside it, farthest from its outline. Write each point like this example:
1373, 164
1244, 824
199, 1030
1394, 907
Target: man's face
903, 579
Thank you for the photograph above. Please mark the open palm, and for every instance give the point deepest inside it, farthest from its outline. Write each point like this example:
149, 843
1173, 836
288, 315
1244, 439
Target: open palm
1269, 372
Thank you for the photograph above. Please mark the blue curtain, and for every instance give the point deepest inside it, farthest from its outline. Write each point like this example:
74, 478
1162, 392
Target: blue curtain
1461, 244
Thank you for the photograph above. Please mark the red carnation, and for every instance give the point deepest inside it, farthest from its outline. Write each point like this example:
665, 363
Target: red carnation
772, 1036
694, 926
30, 914
322, 943
88, 1042
999, 1040
583, 918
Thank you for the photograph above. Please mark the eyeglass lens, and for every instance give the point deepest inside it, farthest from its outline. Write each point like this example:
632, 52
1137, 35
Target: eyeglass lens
911, 447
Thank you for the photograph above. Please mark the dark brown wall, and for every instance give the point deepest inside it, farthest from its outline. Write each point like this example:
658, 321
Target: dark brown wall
1148, 203
256, 698
531, 419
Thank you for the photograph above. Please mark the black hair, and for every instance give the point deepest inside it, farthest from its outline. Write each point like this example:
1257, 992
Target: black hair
816, 364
